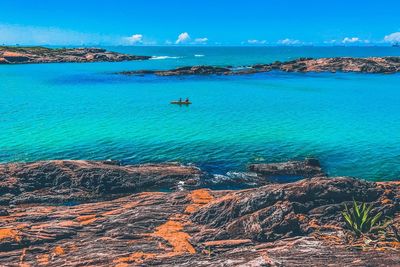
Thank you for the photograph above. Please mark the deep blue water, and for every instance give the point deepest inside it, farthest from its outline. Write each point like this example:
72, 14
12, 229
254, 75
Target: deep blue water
84, 111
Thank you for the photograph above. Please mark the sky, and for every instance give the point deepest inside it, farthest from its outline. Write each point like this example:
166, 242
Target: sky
195, 22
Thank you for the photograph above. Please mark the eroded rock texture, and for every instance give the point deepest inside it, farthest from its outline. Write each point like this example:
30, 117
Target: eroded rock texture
288, 171
76, 181
26, 55
338, 64
293, 224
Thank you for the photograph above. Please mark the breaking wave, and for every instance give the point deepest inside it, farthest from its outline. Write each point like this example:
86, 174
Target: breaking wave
164, 57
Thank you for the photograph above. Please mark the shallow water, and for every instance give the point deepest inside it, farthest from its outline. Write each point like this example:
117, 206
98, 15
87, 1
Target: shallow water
83, 111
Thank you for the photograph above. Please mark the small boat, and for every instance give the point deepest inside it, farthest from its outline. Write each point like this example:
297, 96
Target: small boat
180, 103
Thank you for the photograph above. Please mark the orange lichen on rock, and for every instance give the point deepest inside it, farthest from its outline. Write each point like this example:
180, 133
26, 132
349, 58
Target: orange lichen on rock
58, 250
388, 183
393, 244
73, 247
130, 205
7, 233
43, 259
137, 257
172, 232
301, 217
12, 54
314, 224
227, 243
68, 223
112, 212
198, 198
86, 219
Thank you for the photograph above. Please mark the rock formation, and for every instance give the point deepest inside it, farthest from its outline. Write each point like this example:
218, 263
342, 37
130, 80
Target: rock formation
288, 171
77, 181
339, 64
286, 224
25, 55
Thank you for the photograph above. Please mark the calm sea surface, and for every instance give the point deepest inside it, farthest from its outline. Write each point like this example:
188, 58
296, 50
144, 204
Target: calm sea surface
351, 122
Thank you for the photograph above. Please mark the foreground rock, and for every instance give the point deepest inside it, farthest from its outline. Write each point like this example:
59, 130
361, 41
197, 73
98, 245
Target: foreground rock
294, 224
25, 55
78, 181
339, 64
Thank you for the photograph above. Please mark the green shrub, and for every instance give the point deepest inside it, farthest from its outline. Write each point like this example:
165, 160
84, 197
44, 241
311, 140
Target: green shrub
359, 220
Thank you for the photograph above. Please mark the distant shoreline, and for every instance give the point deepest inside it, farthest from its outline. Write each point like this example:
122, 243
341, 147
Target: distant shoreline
37, 54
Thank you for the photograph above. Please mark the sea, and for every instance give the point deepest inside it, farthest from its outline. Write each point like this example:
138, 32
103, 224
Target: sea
349, 121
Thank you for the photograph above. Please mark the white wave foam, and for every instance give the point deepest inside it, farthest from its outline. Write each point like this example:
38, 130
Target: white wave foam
198, 55
163, 57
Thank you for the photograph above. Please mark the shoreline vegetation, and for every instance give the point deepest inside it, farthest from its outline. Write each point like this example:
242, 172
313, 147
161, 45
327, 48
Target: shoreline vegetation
171, 214
37, 54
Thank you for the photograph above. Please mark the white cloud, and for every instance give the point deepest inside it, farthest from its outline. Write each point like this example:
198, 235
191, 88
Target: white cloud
201, 40
392, 38
254, 41
354, 40
347, 40
182, 38
288, 41
136, 38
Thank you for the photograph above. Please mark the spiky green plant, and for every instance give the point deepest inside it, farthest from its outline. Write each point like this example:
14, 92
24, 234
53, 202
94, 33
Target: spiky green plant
359, 219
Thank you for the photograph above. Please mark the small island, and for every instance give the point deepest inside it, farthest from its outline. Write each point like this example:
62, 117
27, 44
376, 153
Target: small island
335, 64
38, 54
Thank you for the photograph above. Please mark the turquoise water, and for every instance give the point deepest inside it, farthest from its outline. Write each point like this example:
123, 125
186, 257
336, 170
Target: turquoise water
83, 111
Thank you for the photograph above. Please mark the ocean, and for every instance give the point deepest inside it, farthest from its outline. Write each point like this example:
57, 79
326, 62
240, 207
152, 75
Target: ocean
349, 121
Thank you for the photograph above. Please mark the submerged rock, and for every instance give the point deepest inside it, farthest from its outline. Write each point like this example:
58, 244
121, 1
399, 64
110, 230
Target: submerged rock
25, 55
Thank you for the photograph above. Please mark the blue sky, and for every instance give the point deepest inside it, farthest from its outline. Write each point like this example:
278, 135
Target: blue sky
205, 22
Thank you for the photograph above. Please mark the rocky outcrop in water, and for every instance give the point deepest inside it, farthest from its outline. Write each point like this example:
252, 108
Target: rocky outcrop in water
63, 181
288, 171
339, 64
292, 224
25, 55
195, 70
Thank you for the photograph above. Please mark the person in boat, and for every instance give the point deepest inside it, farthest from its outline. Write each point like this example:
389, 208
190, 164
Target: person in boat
187, 100
180, 99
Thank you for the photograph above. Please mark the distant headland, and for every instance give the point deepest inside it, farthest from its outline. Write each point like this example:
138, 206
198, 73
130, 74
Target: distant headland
38, 54
334, 64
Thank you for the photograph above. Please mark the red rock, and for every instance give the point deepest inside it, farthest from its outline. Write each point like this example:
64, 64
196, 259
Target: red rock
25, 55
292, 224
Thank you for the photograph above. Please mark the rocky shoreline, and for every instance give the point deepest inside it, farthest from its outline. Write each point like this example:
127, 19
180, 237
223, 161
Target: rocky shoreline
385, 65
101, 213
31, 55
